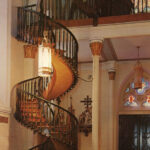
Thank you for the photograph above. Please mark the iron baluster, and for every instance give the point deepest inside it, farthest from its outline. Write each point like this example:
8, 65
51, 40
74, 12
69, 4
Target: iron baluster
18, 22
67, 45
59, 49
72, 51
34, 87
138, 3
146, 5
70, 48
56, 40
63, 43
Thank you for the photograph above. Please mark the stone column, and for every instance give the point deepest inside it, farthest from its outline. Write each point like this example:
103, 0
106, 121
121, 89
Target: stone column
96, 46
111, 99
29, 61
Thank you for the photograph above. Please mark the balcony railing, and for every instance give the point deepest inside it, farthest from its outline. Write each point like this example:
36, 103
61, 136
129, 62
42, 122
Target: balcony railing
31, 25
82, 9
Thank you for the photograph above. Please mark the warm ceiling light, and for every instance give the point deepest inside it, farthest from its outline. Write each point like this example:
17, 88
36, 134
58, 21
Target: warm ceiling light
138, 73
44, 57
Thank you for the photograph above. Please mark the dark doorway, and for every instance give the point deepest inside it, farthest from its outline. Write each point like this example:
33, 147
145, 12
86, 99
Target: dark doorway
134, 132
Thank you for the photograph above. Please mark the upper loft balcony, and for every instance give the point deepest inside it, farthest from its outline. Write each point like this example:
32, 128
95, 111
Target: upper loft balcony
122, 24
92, 12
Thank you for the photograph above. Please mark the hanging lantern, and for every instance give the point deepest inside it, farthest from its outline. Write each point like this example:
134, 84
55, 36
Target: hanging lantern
44, 59
138, 75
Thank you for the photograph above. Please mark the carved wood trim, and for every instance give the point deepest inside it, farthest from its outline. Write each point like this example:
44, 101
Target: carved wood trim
106, 20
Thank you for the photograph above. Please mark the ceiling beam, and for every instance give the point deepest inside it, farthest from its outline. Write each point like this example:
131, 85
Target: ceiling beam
111, 48
103, 54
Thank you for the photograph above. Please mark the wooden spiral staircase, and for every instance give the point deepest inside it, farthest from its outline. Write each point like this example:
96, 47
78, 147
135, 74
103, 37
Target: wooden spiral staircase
36, 98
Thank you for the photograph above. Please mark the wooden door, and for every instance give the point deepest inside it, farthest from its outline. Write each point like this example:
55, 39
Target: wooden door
134, 132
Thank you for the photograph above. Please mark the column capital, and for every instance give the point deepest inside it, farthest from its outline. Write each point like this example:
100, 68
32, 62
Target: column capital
111, 70
29, 51
96, 47
112, 74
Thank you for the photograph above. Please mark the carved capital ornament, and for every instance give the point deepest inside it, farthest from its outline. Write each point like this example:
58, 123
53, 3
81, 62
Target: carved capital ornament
112, 74
30, 51
96, 48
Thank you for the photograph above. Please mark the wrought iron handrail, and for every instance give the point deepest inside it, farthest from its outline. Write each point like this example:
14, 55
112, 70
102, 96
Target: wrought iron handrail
43, 116
28, 82
34, 78
49, 103
37, 147
32, 24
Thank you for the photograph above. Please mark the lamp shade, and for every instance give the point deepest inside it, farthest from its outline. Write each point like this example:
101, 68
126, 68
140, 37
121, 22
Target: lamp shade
44, 61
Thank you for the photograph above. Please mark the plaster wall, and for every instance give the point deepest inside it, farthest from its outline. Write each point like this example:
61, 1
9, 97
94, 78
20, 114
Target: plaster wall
82, 89
4, 52
4, 133
5, 7
78, 93
21, 69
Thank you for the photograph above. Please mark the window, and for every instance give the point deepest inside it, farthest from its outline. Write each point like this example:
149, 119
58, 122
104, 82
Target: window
137, 98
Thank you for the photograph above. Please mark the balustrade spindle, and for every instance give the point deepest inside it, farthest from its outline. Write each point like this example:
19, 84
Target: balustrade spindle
63, 43
146, 5
59, 49
23, 24
19, 21
55, 33
44, 83
67, 45
70, 56
34, 87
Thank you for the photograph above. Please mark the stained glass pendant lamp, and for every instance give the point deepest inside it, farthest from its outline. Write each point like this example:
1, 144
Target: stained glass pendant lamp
44, 57
138, 72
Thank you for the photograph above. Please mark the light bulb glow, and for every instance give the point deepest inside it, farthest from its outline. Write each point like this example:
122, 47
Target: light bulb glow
44, 61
